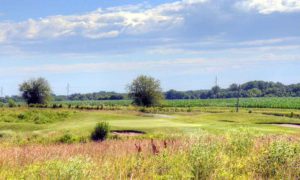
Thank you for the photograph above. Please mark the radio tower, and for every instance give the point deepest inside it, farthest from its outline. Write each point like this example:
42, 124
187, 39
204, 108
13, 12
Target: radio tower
216, 81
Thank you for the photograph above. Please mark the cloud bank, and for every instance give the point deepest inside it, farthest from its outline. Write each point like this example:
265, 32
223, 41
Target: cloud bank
270, 6
102, 23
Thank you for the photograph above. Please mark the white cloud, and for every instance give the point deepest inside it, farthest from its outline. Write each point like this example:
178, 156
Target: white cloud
216, 46
103, 23
103, 66
240, 59
270, 6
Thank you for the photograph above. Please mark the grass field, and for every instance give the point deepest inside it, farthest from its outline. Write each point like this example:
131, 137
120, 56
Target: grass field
212, 142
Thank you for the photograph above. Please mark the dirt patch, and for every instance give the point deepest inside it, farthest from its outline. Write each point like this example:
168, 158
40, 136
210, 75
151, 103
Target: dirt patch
288, 125
128, 132
164, 116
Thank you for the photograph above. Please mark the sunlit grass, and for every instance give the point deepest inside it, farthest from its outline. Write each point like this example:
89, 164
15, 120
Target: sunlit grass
212, 143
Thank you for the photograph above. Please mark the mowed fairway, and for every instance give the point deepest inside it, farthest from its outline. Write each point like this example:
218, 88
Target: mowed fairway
213, 143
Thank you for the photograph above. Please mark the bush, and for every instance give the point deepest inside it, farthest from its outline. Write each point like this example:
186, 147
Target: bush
11, 103
21, 116
67, 138
100, 132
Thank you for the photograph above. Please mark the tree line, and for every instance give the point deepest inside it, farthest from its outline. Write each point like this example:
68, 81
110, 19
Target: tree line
248, 89
144, 91
39, 91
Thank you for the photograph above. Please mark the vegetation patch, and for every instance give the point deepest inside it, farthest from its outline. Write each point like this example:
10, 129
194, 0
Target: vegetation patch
34, 116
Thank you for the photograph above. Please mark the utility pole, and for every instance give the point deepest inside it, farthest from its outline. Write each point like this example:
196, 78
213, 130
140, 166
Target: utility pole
238, 99
216, 81
68, 90
217, 87
1, 92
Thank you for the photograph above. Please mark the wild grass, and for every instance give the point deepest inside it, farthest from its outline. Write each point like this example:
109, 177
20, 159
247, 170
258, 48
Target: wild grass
36, 116
204, 157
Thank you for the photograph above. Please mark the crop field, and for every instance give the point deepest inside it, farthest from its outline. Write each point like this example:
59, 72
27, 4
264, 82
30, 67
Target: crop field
211, 142
272, 102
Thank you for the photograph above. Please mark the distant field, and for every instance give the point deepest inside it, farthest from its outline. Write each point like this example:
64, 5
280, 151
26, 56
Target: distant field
272, 102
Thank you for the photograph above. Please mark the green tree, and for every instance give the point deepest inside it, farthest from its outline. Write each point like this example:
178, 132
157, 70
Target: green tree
254, 92
36, 91
145, 91
216, 91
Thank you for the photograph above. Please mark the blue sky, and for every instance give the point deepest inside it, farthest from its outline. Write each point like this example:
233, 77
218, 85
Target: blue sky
102, 45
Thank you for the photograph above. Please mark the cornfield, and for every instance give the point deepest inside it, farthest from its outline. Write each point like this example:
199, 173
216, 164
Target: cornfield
270, 102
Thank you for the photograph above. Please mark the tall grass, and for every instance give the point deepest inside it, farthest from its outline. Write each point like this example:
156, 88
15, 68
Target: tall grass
232, 156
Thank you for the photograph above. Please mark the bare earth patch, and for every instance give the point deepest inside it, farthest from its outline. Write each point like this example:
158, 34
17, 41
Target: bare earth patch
127, 132
163, 116
288, 125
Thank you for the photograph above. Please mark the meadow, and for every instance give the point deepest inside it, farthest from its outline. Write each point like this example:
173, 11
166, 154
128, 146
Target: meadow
175, 143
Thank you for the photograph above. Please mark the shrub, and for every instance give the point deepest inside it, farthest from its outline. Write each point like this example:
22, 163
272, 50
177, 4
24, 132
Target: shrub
11, 103
21, 116
100, 132
67, 138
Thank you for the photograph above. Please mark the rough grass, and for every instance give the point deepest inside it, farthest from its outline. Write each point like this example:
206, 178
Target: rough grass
207, 143
29, 126
235, 155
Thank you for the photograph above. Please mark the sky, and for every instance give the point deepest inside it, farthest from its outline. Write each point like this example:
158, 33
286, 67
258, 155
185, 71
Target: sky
100, 45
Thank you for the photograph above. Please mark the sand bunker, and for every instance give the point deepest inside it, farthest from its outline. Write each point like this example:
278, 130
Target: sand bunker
128, 132
288, 125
